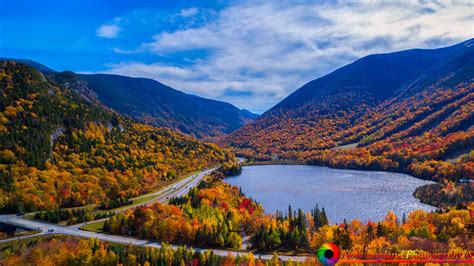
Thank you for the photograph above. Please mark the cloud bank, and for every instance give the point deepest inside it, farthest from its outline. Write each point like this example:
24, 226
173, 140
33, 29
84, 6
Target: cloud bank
254, 55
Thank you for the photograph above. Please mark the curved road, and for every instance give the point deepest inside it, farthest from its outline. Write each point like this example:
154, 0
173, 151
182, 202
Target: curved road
175, 190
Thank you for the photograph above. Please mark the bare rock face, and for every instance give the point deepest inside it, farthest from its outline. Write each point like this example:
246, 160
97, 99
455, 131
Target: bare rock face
71, 81
53, 137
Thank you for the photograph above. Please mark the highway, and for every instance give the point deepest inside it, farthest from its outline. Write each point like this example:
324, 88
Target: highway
174, 190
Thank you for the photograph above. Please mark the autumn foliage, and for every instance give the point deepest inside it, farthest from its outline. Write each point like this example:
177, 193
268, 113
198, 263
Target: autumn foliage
214, 214
428, 134
61, 250
59, 150
427, 232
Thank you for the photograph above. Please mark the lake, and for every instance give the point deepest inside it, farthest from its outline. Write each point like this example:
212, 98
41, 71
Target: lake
350, 194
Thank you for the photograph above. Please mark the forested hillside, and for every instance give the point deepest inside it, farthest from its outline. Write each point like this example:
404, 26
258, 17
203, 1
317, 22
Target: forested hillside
409, 111
66, 250
154, 103
60, 150
214, 213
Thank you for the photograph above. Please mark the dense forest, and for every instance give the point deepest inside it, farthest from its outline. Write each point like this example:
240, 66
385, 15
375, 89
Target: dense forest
59, 150
73, 251
428, 232
216, 214
213, 214
446, 194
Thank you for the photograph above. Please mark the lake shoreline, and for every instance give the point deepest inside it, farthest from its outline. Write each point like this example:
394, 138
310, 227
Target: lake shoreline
288, 162
351, 182
284, 162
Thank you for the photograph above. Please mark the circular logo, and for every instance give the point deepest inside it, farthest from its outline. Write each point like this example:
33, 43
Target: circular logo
328, 254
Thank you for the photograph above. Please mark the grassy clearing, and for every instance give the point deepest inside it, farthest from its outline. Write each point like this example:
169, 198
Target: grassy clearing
29, 216
150, 195
457, 159
145, 199
457, 156
346, 147
94, 227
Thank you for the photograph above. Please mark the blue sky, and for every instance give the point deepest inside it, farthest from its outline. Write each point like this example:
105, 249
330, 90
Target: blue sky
249, 53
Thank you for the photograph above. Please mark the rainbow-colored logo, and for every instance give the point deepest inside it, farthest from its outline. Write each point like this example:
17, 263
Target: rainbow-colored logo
328, 254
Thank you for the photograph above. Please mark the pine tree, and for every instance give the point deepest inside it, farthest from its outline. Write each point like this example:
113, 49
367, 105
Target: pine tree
324, 218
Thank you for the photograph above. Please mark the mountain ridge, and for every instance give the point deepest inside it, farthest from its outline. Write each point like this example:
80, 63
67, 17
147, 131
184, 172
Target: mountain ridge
404, 111
42, 68
60, 150
161, 105
149, 101
429, 56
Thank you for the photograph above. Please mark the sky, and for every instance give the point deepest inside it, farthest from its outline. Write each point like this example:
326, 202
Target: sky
249, 53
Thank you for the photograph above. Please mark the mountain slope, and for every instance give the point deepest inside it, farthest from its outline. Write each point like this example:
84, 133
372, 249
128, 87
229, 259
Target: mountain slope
59, 150
381, 76
406, 111
40, 67
153, 103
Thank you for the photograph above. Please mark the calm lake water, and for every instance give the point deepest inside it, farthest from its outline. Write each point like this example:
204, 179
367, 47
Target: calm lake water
350, 194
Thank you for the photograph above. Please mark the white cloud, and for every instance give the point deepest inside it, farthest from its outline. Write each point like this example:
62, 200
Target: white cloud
189, 12
108, 31
135, 69
262, 52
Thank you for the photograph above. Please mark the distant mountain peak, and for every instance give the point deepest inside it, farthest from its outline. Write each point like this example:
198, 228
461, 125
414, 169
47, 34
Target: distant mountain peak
249, 114
381, 75
152, 102
149, 101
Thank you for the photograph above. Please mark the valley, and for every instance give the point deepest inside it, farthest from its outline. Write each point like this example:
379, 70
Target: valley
413, 118
123, 160
212, 194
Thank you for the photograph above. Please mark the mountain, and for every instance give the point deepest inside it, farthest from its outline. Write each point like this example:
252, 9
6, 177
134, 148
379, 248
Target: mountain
154, 103
380, 76
72, 81
149, 101
249, 114
60, 150
408, 111
40, 67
